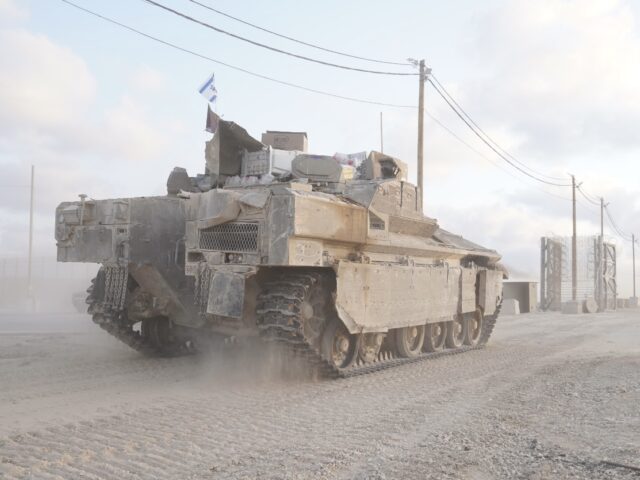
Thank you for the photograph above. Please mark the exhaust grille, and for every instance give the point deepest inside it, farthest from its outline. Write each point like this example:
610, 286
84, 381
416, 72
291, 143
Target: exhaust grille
230, 237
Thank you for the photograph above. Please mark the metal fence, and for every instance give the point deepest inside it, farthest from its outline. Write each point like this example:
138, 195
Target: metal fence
596, 272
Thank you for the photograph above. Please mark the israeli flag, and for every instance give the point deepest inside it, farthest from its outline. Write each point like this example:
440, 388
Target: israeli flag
208, 89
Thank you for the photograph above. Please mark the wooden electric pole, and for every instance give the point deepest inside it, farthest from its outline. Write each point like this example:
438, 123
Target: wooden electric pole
633, 249
601, 296
574, 247
601, 222
422, 80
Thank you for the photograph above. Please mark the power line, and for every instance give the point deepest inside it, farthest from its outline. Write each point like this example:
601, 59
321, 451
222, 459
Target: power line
459, 111
611, 220
282, 82
587, 197
301, 42
444, 90
588, 208
273, 49
592, 198
475, 131
342, 97
353, 99
471, 126
615, 227
233, 67
433, 118
484, 157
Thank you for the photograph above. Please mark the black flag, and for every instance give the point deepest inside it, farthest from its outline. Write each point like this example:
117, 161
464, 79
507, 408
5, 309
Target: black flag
212, 121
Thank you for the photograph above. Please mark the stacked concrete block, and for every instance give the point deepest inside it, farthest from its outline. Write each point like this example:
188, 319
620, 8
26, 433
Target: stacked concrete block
510, 306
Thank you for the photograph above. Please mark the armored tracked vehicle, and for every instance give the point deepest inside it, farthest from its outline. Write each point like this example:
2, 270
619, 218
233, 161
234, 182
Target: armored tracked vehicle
333, 261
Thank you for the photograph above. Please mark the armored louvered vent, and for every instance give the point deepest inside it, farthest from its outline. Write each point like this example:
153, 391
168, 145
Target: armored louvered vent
230, 237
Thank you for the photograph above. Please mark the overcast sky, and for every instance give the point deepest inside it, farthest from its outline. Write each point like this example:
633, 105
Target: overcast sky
102, 111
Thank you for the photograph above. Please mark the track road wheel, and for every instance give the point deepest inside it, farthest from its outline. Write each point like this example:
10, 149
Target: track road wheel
338, 346
157, 331
369, 346
409, 341
473, 327
455, 333
435, 335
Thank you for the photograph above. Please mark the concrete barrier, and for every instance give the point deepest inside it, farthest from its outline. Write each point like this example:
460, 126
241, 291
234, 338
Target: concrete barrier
510, 306
590, 305
572, 307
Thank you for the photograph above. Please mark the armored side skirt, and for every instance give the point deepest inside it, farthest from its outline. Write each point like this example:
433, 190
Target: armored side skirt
375, 298
380, 297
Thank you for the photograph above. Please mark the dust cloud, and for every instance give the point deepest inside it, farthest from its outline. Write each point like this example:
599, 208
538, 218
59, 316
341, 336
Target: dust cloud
77, 403
54, 288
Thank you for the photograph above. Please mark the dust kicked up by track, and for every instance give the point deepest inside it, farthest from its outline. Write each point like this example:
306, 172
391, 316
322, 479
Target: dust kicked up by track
551, 396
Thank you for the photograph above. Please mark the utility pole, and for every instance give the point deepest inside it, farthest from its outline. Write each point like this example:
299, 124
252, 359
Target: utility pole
422, 79
381, 136
574, 247
633, 249
30, 261
601, 296
601, 221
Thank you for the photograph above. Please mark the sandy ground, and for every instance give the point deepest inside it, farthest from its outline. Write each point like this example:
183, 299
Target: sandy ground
552, 396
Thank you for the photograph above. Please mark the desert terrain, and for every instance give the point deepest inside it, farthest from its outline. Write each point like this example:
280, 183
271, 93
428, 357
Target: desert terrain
551, 396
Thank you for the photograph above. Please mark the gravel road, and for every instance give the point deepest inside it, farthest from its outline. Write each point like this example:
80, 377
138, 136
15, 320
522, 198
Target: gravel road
552, 396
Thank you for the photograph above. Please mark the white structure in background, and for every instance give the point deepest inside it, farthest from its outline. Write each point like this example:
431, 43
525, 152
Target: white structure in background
555, 272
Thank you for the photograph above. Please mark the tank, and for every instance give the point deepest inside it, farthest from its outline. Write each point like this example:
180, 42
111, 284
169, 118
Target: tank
334, 262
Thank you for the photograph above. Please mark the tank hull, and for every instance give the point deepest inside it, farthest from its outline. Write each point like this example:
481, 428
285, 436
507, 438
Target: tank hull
339, 264
404, 271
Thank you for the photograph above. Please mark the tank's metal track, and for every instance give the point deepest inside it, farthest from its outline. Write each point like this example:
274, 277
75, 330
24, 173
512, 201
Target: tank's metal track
115, 323
279, 321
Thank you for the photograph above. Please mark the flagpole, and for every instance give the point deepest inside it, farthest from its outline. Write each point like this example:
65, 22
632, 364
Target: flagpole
381, 135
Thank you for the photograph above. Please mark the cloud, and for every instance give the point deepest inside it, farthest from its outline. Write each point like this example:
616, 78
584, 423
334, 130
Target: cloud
513, 224
49, 117
129, 132
564, 73
147, 79
43, 86
9, 11
48, 96
553, 81
555, 84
